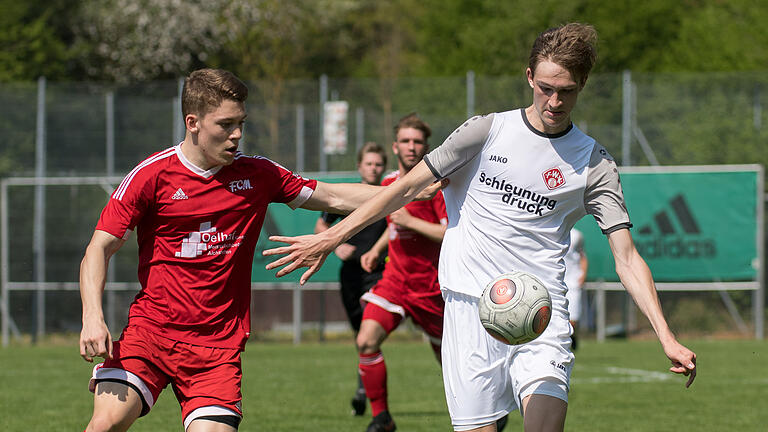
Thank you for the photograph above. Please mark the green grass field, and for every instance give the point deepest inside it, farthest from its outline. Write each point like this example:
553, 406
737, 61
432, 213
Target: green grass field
616, 386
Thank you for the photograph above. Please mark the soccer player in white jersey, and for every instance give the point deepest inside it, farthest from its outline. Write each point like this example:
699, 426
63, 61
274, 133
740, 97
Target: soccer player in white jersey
576, 265
519, 181
197, 209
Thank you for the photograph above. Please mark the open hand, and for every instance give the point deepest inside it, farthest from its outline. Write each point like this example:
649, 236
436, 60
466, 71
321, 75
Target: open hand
302, 251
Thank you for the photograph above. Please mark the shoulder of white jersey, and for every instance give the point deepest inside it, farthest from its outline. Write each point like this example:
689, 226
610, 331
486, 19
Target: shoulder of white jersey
599, 153
148, 165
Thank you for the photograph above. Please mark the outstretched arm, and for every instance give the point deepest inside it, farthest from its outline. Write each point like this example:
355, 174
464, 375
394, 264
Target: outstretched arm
636, 277
95, 338
344, 198
311, 250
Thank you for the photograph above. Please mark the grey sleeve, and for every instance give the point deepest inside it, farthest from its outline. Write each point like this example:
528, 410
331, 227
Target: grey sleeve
460, 147
603, 197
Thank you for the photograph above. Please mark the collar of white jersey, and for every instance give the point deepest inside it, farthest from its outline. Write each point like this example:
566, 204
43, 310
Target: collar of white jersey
194, 168
543, 134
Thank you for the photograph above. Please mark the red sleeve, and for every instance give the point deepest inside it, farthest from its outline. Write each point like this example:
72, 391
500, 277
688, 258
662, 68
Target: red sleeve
291, 186
128, 203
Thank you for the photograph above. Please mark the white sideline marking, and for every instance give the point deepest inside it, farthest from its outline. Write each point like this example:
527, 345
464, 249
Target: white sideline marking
625, 375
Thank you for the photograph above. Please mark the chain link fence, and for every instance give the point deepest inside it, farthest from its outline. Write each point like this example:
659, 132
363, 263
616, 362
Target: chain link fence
70, 130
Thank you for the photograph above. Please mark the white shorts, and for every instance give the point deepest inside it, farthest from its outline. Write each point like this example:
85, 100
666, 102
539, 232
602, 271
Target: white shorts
486, 379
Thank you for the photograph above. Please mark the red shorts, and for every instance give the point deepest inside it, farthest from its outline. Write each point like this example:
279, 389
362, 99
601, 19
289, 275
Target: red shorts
393, 300
206, 380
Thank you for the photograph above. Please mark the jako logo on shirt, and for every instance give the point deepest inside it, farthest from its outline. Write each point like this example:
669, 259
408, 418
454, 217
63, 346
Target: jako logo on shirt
207, 240
495, 158
238, 185
553, 178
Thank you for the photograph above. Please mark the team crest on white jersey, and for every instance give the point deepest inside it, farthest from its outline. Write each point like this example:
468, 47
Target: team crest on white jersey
553, 178
179, 195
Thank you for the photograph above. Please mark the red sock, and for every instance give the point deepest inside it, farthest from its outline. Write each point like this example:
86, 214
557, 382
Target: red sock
373, 372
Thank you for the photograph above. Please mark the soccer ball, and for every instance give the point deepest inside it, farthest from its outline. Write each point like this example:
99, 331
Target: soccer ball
515, 308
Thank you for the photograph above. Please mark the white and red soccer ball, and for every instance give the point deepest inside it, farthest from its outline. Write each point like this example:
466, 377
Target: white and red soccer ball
515, 308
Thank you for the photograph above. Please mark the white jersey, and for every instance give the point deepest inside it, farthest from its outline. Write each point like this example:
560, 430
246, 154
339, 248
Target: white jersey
513, 197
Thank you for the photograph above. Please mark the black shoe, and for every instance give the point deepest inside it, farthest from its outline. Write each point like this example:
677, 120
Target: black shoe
382, 423
501, 423
358, 403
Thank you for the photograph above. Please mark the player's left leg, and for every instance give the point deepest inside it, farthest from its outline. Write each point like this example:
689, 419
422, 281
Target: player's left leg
207, 385
543, 413
427, 312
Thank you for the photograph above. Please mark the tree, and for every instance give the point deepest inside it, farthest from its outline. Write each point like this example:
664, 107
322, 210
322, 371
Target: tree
34, 39
136, 40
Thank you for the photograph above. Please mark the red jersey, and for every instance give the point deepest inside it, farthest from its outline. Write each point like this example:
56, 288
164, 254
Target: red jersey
412, 256
197, 231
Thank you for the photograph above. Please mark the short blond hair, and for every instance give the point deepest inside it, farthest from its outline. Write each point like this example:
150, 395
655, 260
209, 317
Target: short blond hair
572, 46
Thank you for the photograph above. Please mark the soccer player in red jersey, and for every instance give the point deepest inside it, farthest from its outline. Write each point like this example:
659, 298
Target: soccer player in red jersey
409, 286
197, 209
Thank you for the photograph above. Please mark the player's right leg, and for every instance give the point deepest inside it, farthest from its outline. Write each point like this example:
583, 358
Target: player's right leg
126, 386
475, 368
115, 407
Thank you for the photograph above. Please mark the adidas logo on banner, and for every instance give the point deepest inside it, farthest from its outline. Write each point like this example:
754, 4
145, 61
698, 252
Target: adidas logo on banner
670, 240
179, 195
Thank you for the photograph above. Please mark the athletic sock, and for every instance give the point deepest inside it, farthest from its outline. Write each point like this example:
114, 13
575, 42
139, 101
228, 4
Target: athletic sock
373, 372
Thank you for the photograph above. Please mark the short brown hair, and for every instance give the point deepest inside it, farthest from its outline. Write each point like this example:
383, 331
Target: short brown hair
412, 120
371, 147
205, 89
571, 46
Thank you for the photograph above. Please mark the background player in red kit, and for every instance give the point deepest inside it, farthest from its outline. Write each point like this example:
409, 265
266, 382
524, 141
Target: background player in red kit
197, 209
409, 285
354, 280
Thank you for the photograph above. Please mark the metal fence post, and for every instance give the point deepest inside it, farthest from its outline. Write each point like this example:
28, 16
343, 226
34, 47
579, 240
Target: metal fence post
600, 312
38, 236
470, 93
4, 270
300, 146
110, 168
758, 298
323, 160
359, 128
626, 119
178, 118
297, 306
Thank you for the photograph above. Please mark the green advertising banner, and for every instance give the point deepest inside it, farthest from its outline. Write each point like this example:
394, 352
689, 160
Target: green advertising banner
281, 220
690, 224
